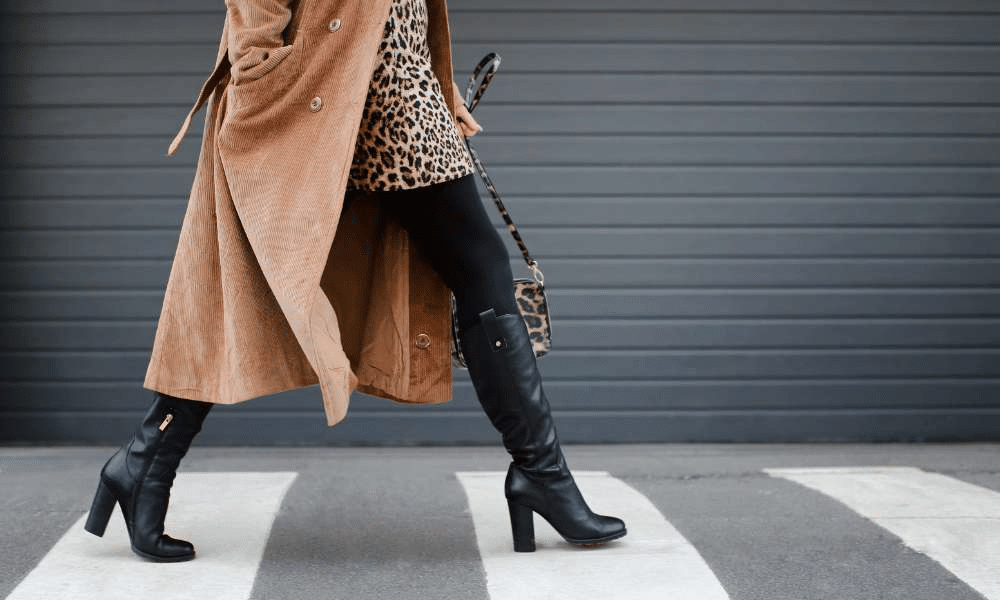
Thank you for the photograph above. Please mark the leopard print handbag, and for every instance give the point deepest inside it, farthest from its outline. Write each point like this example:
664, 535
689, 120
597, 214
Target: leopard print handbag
529, 293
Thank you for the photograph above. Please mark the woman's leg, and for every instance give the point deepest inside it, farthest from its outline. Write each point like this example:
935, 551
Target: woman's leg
449, 224
139, 476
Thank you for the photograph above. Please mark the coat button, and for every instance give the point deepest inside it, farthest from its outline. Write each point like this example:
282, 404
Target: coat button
315, 104
423, 341
335, 25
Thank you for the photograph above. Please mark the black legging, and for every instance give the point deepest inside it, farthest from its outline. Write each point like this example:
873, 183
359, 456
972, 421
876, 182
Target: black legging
448, 223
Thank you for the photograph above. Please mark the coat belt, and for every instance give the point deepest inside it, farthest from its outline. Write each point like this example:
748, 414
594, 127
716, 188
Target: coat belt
221, 70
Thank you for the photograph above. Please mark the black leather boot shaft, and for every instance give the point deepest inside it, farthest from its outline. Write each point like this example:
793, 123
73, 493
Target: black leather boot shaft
142, 472
501, 361
504, 372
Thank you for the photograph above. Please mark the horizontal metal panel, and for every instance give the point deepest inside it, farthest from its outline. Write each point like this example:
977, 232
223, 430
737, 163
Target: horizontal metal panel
124, 120
751, 211
115, 336
572, 88
772, 364
601, 364
761, 273
836, 181
138, 182
774, 303
121, 120
126, 304
567, 89
91, 213
615, 274
600, 334
563, 396
400, 427
741, 6
784, 333
723, 150
695, 57
596, 303
195, 58
761, 241
117, 27
110, 58
508, 26
635, 150
98, 213
407, 428
86, 275
736, 26
592, 242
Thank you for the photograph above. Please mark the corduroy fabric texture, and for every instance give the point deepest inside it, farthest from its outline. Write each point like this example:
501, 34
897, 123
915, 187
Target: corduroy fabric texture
276, 283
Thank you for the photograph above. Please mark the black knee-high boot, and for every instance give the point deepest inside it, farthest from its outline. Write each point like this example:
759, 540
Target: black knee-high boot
139, 476
502, 366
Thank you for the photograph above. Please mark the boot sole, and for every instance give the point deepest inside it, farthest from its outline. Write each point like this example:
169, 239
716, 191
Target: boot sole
163, 559
597, 541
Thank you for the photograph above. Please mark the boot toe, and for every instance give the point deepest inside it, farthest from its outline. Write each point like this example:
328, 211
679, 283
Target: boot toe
612, 527
605, 529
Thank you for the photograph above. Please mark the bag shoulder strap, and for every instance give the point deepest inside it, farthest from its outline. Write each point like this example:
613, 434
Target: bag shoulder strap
482, 75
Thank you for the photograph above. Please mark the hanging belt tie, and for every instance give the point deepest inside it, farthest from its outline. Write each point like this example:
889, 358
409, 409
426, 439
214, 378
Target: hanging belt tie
221, 69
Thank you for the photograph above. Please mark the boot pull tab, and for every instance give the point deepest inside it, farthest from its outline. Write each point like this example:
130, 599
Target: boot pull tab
493, 330
166, 421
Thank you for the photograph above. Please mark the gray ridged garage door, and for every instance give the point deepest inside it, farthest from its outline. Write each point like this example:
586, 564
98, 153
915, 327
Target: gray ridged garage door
759, 219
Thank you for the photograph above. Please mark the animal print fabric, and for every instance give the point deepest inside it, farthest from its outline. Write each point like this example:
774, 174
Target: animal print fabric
534, 310
408, 137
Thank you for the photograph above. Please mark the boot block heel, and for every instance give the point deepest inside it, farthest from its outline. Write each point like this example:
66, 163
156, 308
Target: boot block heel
522, 525
100, 510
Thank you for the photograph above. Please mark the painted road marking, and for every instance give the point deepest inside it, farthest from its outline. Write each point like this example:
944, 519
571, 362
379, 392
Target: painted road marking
653, 561
227, 516
951, 521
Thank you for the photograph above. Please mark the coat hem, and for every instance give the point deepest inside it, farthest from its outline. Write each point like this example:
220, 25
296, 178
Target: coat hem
199, 394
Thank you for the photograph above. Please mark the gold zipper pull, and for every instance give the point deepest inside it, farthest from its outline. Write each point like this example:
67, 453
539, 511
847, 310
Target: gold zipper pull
166, 421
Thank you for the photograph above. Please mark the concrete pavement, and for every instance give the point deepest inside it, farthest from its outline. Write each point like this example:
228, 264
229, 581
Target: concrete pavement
400, 523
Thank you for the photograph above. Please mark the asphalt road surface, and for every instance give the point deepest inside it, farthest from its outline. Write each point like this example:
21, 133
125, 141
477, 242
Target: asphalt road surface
706, 522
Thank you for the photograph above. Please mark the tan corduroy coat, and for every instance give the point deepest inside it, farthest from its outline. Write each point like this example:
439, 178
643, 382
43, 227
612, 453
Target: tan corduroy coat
275, 284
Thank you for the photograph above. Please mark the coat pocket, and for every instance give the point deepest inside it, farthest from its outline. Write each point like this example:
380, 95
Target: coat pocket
258, 62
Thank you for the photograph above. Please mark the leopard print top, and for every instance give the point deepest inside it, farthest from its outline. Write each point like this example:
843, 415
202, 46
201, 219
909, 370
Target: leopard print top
408, 137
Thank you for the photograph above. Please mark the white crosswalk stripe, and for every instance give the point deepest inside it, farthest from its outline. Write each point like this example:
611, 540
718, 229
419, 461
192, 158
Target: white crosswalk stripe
953, 522
238, 509
652, 562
